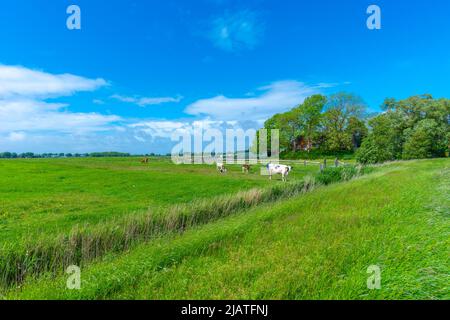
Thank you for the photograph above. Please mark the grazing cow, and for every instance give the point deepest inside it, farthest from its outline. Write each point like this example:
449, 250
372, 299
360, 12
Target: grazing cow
245, 168
278, 169
145, 160
221, 167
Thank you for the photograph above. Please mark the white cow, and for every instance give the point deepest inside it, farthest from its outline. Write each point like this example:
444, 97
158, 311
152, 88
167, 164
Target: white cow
221, 167
278, 169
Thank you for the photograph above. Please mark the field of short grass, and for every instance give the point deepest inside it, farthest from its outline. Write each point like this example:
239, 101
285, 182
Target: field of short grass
316, 245
51, 196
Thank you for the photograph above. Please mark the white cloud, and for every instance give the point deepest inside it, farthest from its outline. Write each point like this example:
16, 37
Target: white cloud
274, 98
165, 128
20, 81
29, 122
25, 114
224, 113
146, 101
160, 132
16, 136
32, 115
159, 129
236, 31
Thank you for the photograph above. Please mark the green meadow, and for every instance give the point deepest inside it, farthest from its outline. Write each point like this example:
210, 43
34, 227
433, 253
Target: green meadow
307, 239
50, 196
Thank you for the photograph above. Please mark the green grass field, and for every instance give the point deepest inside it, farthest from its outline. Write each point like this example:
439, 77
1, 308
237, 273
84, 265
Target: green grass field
316, 245
50, 196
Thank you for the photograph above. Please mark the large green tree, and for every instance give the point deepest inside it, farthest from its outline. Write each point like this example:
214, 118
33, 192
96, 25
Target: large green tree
425, 140
358, 131
379, 146
303, 120
341, 111
310, 117
417, 127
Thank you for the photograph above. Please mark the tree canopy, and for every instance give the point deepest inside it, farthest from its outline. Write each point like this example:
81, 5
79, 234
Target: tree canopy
417, 127
414, 128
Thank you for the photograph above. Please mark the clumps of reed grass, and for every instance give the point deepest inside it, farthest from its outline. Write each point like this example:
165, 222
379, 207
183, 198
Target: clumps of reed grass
333, 174
84, 244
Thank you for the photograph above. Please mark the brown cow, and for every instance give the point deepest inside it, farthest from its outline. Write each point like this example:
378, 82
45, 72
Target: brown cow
145, 160
246, 168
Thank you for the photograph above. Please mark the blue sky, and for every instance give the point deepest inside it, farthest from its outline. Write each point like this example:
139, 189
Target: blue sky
138, 70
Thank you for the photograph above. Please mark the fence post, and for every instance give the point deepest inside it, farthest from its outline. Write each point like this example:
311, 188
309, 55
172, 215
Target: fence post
325, 163
321, 167
305, 163
336, 162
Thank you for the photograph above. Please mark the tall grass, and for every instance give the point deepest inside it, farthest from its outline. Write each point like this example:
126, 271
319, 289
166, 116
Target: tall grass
84, 244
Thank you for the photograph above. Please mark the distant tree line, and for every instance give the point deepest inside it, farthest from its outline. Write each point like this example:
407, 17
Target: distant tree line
108, 154
339, 125
28, 155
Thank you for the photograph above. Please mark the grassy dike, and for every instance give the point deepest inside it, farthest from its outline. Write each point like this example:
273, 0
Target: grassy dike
85, 244
317, 246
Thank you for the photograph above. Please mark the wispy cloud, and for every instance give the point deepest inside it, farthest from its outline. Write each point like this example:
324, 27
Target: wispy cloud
30, 122
24, 109
32, 115
242, 30
146, 101
20, 81
16, 136
159, 128
160, 132
274, 98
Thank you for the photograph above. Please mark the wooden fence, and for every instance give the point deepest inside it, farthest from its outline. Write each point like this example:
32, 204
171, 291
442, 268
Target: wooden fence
298, 162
